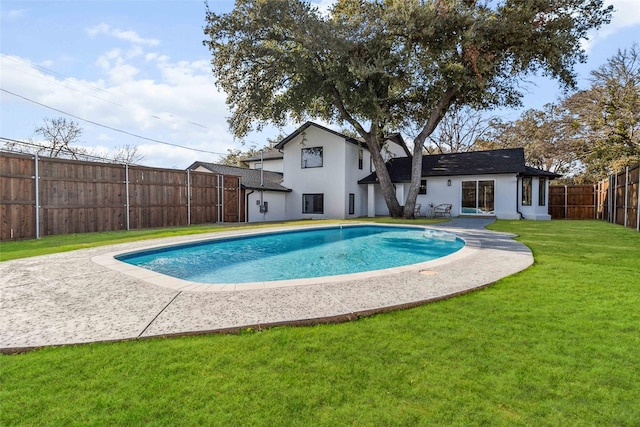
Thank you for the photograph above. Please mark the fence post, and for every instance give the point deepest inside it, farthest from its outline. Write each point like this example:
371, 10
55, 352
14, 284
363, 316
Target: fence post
126, 190
37, 201
638, 211
626, 195
188, 198
610, 202
595, 201
615, 199
566, 199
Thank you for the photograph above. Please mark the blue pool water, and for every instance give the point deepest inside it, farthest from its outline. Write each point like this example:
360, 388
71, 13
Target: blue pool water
297, 254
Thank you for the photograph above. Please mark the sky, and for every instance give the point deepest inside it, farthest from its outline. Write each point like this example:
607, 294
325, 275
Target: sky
136, 73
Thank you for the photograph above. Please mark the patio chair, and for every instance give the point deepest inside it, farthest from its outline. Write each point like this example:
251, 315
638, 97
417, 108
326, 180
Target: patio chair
442, 210
416, 210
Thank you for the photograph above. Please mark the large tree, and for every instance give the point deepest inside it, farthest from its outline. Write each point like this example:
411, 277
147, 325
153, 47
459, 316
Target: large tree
381, 66
548, 136
607, 115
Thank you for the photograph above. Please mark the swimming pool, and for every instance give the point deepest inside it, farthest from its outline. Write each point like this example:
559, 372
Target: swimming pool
299, 254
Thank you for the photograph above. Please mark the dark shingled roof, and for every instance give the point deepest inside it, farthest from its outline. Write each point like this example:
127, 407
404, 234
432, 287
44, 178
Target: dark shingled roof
249, 178
509, 160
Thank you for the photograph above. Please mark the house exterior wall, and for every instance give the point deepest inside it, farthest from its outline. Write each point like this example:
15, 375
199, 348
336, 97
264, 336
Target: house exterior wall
271, 165
329, 179
534, 211
439, 192
276, 200
336, 179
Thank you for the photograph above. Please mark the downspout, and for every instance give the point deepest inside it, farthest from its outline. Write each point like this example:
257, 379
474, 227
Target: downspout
246, 206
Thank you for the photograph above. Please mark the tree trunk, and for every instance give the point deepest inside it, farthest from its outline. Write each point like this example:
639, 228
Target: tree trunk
386, 185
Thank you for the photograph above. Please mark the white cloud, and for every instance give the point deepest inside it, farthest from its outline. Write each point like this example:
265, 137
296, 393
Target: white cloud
181, 106
16, 13
130, 36
626, 14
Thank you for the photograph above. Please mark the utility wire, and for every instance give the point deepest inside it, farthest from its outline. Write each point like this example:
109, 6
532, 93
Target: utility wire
112, 128
52, 73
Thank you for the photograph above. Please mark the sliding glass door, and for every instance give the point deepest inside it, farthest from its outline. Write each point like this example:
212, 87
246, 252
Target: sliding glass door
478, 198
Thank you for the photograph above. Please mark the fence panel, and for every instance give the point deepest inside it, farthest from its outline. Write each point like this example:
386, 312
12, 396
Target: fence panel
616, 200
572, 202
78, 197
158, 198
17, 198
203, 197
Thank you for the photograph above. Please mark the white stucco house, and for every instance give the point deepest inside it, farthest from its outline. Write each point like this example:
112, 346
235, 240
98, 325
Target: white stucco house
316, 172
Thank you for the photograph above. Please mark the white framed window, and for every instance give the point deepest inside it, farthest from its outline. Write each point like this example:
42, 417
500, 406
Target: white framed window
527, 190
313, 203
311, 157
423, 187
542, 191
478, 197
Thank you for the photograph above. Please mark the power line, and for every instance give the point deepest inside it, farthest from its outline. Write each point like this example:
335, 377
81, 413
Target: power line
52, 73
112, 128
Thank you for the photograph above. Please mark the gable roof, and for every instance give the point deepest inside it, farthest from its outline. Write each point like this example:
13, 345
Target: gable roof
396, 138
249, 178
280, 145
510, 160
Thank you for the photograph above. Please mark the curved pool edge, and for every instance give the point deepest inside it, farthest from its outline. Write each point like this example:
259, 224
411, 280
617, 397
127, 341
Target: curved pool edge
65, 298
109, 260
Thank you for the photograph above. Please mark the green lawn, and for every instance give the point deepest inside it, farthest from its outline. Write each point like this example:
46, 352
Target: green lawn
69, 242
555, 345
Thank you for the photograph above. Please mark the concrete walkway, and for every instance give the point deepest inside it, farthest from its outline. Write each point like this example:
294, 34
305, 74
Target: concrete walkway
69, 298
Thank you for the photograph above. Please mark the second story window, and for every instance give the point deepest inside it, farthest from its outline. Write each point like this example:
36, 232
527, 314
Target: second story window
360, 157
312, 157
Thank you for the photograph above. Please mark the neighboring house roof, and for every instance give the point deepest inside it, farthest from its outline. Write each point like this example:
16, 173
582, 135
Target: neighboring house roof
249, 178
509, 160
395, 138
270, 154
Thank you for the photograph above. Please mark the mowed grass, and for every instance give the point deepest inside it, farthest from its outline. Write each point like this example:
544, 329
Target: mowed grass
555, 345
68, 242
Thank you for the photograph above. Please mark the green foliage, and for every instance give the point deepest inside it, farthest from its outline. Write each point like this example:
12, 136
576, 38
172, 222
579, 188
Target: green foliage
554, 345
608, 115
547, 136
588, 134
383, 65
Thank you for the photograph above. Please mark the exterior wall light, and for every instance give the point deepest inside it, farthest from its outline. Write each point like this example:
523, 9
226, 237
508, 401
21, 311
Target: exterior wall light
448, 183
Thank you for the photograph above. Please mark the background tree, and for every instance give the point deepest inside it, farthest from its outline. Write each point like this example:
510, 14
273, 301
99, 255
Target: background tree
128, 154
382, 66
548, 138
607, 115
58, 137
236, 156
459, 131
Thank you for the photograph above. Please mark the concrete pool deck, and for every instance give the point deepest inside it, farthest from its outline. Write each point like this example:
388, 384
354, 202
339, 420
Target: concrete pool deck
80, 297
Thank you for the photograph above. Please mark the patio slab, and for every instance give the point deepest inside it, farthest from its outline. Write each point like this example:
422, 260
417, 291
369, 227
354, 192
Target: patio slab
83, 296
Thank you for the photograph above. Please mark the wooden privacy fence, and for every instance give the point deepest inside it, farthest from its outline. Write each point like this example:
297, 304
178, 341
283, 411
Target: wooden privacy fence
615, 199
74, 196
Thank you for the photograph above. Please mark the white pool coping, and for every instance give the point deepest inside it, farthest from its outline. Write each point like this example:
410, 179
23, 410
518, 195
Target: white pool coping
85, 296
110, 261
